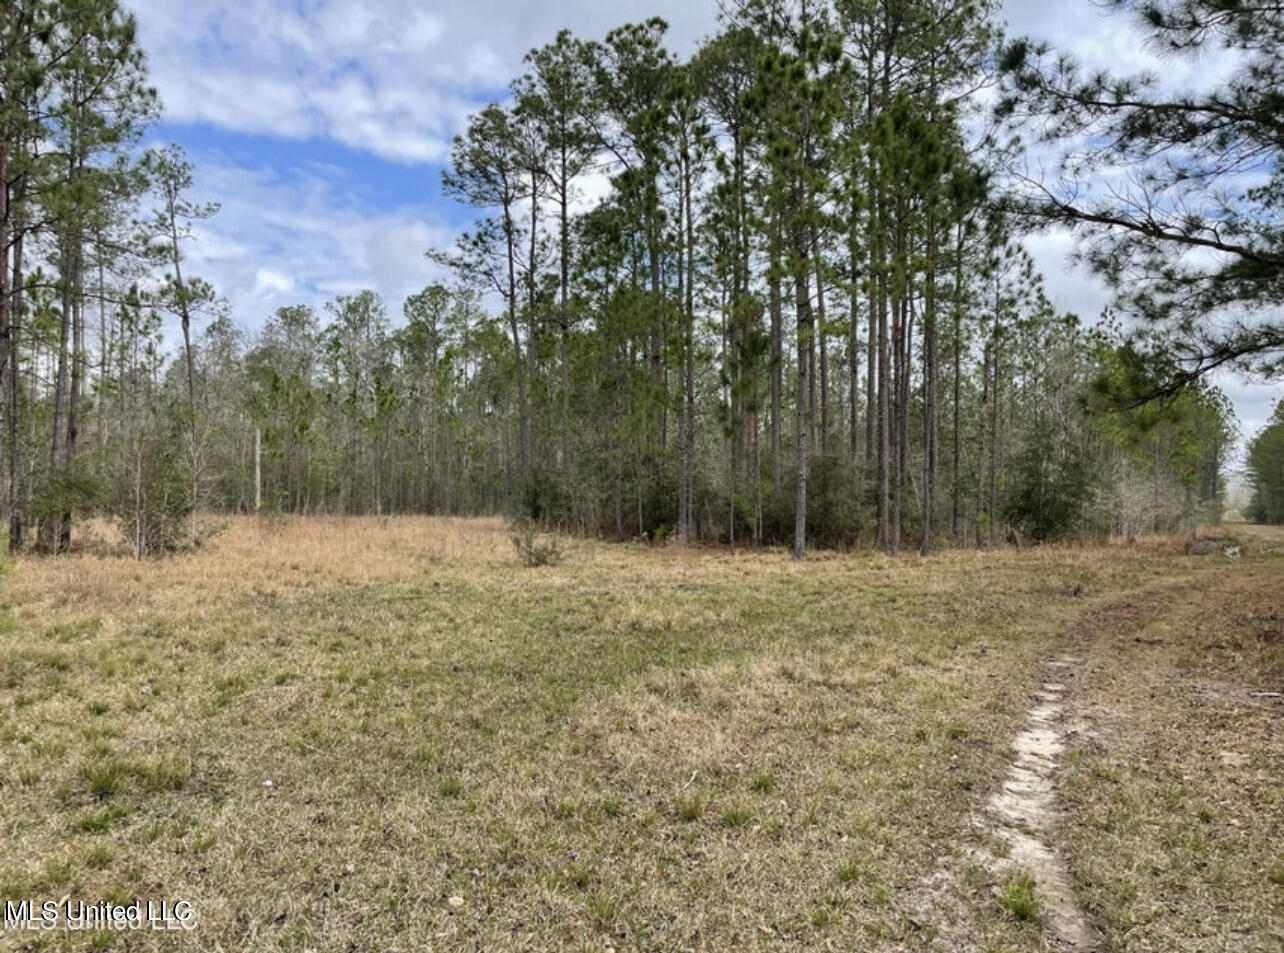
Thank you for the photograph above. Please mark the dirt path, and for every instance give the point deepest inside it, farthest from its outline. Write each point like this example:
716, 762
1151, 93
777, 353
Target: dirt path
1023, 812
1012, 832
1021, 828
1011, 837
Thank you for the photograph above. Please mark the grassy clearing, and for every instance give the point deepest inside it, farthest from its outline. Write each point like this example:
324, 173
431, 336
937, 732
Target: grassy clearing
636, 749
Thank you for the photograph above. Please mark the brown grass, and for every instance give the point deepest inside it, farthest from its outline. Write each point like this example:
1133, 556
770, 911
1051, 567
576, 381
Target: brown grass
638, 749
1176, 800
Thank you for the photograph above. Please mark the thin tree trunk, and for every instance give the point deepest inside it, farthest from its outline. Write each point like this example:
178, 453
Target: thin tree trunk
531, 374
873, 416
258, 469
564, 282
884, 424
684, 461
689, 359
981, 423
519, 368
16, 312
802, 303
956, 515
659, 379
77, 381
811, 371
853, 338
929, 388
900, 426
186, 318
994, 436
50, 525
104, 344
822, 344
775, 305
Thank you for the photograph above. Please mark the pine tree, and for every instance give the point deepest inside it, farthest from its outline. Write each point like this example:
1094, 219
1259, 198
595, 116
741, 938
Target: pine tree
1209, 179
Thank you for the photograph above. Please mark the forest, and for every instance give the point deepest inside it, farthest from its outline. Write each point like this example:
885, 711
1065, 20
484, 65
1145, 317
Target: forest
773, 293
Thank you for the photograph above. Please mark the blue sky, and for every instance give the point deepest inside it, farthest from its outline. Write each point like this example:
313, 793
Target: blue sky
321, 126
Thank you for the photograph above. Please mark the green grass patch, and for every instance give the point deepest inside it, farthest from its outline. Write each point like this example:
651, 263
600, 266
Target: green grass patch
1018, 899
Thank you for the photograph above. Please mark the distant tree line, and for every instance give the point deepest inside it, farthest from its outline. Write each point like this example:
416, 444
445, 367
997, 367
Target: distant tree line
798, 315
1266, 470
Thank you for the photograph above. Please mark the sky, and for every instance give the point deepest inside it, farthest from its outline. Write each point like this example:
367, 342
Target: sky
321, 127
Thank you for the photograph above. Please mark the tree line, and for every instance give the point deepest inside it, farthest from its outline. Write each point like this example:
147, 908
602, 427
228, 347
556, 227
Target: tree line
797, 312
1266, 470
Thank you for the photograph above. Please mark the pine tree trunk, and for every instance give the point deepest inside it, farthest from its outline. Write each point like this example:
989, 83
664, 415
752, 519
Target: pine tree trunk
822, 345
76, 392
981, 423
531, 322
775, 305
853, 340
16, 308
884, 424
994, 436
929, 389
258, 470
49, 532
564, 281
802, 303
689, 358
186, 320
519, 367
684, 461
956, 515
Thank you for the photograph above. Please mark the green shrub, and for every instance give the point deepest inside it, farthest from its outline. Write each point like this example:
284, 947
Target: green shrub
533, 548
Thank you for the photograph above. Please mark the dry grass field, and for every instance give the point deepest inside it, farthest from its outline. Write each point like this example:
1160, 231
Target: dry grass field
387, 735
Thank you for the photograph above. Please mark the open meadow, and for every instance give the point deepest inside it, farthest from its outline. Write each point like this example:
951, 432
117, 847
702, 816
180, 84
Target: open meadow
376, 734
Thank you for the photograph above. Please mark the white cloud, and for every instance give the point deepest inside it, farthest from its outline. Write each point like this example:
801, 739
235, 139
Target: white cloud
388, 77
267, 281
1070, 285
1107, 39
311, 241
591, 189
